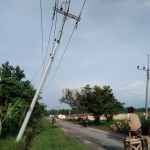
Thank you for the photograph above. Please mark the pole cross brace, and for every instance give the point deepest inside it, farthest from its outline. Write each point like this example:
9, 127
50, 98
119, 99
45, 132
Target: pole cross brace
67, 14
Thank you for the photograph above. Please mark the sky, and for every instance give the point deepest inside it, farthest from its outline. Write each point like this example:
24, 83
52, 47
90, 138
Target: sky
111, 40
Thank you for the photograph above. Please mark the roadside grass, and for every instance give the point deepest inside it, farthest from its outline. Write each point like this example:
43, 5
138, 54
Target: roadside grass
53, 138
8, 139
45, 136
40, 136
8, 142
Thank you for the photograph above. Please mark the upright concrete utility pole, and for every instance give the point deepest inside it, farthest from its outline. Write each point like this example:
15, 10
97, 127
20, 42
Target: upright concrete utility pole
66, 14
147, 82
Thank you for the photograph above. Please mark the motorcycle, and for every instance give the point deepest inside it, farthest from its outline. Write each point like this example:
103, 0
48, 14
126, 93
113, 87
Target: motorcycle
85, 123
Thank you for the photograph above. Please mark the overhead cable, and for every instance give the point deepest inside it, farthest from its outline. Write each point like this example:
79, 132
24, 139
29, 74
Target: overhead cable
129, 83
124, 73
56, 6
54, 14
80, 13
83, 6
62, 56
127, 73
125, 78
42, 32
126, 67
67, 43
49, 38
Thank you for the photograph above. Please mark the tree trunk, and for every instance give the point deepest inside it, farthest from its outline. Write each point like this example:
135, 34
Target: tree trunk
97, 118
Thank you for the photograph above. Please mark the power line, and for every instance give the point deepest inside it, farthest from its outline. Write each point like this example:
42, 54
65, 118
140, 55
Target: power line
49, 38
80, 13
83, 6
126, 72
42, 32
55, 27
62, 56
51, 66
65, 5
67, 44
125, 78
125, 67
128, 83
56, 6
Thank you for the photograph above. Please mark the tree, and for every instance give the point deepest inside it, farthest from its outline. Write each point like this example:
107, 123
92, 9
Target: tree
14, 91
69, 97
10, 84
96, 100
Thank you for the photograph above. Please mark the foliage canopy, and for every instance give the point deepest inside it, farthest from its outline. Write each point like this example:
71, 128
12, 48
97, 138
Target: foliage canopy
96, 100
18, 92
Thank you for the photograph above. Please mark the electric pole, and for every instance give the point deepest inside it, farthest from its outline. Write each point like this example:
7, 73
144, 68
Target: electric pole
66, 14
147, 82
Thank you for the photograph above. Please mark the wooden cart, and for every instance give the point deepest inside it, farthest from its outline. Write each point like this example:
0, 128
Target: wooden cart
137, 143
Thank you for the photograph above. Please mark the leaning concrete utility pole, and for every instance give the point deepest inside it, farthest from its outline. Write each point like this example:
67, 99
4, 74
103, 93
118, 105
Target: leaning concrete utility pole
66, 14
147, 82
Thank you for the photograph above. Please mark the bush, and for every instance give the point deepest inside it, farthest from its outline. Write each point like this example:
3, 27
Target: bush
145, 126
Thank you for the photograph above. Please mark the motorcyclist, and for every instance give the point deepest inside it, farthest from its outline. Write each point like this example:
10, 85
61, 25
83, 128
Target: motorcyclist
85, 120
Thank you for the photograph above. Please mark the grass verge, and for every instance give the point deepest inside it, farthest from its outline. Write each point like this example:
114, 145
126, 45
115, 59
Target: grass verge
40, 136
53, 138
8, 142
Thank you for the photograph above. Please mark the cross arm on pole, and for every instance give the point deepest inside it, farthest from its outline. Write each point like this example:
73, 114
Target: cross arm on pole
67, 14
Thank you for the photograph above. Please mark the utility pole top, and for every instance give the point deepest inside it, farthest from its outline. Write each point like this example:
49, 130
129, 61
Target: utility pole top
67, 14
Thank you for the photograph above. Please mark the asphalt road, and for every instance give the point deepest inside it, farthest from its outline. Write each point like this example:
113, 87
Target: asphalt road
91, 138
